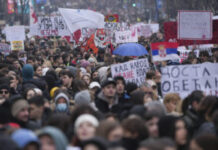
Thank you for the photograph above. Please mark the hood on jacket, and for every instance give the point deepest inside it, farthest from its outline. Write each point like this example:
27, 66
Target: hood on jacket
56, 135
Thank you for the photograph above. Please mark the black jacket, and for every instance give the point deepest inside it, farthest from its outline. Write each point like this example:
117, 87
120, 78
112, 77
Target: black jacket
103, 106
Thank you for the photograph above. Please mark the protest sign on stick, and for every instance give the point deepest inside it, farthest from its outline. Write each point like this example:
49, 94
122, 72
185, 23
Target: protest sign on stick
5, 48
128, 36
17, 45
15, 33
184, 79
132, 71
195, 25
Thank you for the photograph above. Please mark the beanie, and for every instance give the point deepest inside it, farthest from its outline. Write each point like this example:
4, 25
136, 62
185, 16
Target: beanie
27, 72
23, 137
18, 106
82, 97
86, 118
52, 91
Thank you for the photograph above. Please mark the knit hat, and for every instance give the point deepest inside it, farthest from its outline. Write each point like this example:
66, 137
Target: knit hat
107, 82
91, 60
85, 64
23, 137
57, 136
52, 91
18, 106
5, 86
27, 72
86, 118
82, 97
62, 95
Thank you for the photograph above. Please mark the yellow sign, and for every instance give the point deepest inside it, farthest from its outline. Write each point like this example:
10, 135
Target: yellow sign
17, 45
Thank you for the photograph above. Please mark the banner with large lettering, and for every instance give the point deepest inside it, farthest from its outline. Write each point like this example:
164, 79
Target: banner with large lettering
132, 71
183, 79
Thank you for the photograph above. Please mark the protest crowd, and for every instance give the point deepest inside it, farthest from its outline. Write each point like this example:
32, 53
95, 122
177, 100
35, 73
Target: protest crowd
60, 94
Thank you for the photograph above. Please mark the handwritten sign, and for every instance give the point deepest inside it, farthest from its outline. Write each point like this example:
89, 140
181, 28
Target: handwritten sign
132, 71
15, 33
126, 36
146, 30
5, 48
195, 25
17, 45
50, 26
184, 79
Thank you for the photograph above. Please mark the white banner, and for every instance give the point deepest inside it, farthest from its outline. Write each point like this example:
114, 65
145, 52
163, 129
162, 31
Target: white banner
132, 71
129, 36
146, 30
183, 79
82, 18
50, 26
195, 25
15, 33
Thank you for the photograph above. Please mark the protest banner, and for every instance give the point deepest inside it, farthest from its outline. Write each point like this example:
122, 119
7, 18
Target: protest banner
5, 48
195, 25
132, 71
170, 34
82, 18
50, 26
128, 36
183, 79
146, 30
15, 33
17, 45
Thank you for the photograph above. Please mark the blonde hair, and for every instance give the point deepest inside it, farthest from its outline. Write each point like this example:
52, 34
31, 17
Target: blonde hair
171, 97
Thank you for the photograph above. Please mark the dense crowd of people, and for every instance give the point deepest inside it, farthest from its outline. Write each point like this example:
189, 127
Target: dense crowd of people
55, 96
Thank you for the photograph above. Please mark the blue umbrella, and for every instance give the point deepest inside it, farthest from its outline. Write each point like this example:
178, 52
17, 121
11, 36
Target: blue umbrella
130, 49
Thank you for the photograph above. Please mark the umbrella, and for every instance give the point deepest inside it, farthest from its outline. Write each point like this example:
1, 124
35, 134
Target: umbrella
130, 49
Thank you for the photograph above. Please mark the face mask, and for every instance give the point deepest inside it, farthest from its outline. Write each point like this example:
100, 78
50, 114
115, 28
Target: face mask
61, 107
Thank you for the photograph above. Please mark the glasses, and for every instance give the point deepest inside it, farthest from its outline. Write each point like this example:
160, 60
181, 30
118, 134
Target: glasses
4, 92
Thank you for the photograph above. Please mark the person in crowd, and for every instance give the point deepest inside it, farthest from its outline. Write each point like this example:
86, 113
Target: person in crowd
110, 130
134, 132
67, 79
62, 102
206, 109
174, 127
204, 142
85, 128
20, 111
52, 138
26, 139
171, 102
190, 106
107, 99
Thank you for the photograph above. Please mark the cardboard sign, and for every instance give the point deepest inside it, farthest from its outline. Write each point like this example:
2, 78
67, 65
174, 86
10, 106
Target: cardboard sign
146, 30
129, 36
51, 26
132, 71
17, 45
5, 48
184, 79
195, 25
15, 33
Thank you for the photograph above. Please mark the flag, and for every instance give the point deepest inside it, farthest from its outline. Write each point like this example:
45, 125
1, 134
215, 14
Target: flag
10, 6
112, 18
82, 18
33, 17
164, 51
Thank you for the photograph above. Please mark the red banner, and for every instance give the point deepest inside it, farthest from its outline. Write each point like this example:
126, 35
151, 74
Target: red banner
112, 18
170, 29
10, 6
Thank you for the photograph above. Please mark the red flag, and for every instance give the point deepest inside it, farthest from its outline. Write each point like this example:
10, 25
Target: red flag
112, 18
